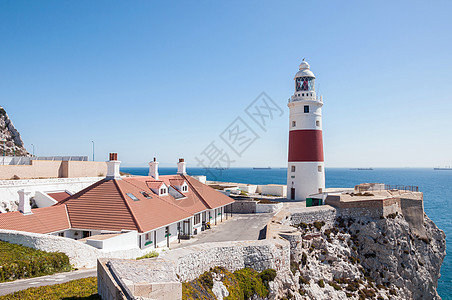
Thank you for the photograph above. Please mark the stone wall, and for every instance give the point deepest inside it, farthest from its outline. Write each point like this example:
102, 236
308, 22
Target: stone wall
251, 207
160, 278
80, 255
243, 207
309, 215
259, 255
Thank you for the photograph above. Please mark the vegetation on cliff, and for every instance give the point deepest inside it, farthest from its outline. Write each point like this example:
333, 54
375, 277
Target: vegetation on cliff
17, 262
242, 284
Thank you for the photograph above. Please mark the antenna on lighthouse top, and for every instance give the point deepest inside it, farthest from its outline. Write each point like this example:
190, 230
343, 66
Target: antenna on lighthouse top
303, 58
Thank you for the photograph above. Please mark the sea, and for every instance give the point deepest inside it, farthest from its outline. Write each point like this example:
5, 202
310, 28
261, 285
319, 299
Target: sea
435, 184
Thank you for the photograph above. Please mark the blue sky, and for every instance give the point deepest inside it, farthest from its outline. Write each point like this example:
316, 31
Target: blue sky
165, 79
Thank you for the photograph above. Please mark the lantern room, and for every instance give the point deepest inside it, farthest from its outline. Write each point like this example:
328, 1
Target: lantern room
304, 79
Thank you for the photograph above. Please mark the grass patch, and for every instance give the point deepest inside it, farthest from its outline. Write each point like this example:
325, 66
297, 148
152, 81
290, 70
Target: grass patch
18, 261
85, 288
149, 255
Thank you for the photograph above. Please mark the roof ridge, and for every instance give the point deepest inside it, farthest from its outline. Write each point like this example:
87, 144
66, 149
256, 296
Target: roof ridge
67, 215
135, 220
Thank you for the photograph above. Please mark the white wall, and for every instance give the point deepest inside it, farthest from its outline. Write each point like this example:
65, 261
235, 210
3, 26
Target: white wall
268, 208
273, 189
248, 188
306, 179
9, 188
126, 240
43, 200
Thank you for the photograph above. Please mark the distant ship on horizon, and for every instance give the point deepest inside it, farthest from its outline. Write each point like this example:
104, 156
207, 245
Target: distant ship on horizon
257, 168
443, 168
362, 169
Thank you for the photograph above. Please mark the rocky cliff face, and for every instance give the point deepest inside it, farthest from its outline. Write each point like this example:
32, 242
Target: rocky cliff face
363, 258
13, 143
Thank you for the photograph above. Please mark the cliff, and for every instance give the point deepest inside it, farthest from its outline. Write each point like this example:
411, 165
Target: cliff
349, 258
363, 258
13, 142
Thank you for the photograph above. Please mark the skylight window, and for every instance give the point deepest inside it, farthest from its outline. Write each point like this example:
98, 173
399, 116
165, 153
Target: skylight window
146, 195
132, 196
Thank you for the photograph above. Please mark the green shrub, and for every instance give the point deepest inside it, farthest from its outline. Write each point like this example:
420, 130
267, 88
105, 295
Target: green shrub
321, 283
149, 255
85, 288
267, 276
318, 224
335, 286
304, 259
17, 261
242, 284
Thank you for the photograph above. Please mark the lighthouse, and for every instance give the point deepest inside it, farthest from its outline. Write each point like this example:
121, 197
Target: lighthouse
305, 172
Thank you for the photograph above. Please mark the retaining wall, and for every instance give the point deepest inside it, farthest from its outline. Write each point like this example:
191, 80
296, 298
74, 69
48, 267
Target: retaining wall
251, 207
160, 278
309, 215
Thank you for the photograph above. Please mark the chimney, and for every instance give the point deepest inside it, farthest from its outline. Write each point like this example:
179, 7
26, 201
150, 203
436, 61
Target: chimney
181, 167
154, 169
113, 167
24, 202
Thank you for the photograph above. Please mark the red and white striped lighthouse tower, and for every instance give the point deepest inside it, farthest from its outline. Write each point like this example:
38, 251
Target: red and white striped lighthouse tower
305, 172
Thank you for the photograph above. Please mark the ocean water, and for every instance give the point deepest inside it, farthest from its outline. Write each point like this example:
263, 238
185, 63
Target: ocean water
436, 186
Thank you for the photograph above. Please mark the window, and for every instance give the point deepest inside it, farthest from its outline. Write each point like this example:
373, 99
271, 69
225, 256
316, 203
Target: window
132, 196
292, 168
306, 109
61, 234
162, 191
320, 190
294, 123
146, 195
197, 218
148, 236
302, 95
317, 123
319, 168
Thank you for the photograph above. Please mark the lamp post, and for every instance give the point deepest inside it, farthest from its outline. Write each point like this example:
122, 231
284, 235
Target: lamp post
93, 149
33, 150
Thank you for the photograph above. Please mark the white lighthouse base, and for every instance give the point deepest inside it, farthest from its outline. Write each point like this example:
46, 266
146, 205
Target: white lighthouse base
308, 178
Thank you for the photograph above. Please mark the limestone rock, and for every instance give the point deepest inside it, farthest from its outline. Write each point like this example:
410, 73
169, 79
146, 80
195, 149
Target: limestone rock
8, 133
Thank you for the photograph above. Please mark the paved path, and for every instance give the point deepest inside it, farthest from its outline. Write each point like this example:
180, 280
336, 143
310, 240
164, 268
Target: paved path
22, 284
238, 228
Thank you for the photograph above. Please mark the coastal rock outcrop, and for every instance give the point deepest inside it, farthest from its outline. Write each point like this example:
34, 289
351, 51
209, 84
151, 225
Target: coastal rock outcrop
363, 258
13, 144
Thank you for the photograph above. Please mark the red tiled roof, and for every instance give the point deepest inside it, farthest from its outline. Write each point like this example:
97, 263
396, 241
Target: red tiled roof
212, 197
59, 196
177, 181
100, 206
42, 220
154, 184
106, 205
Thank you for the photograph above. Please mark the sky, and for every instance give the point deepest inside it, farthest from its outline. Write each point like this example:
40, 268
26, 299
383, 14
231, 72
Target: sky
169, 79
